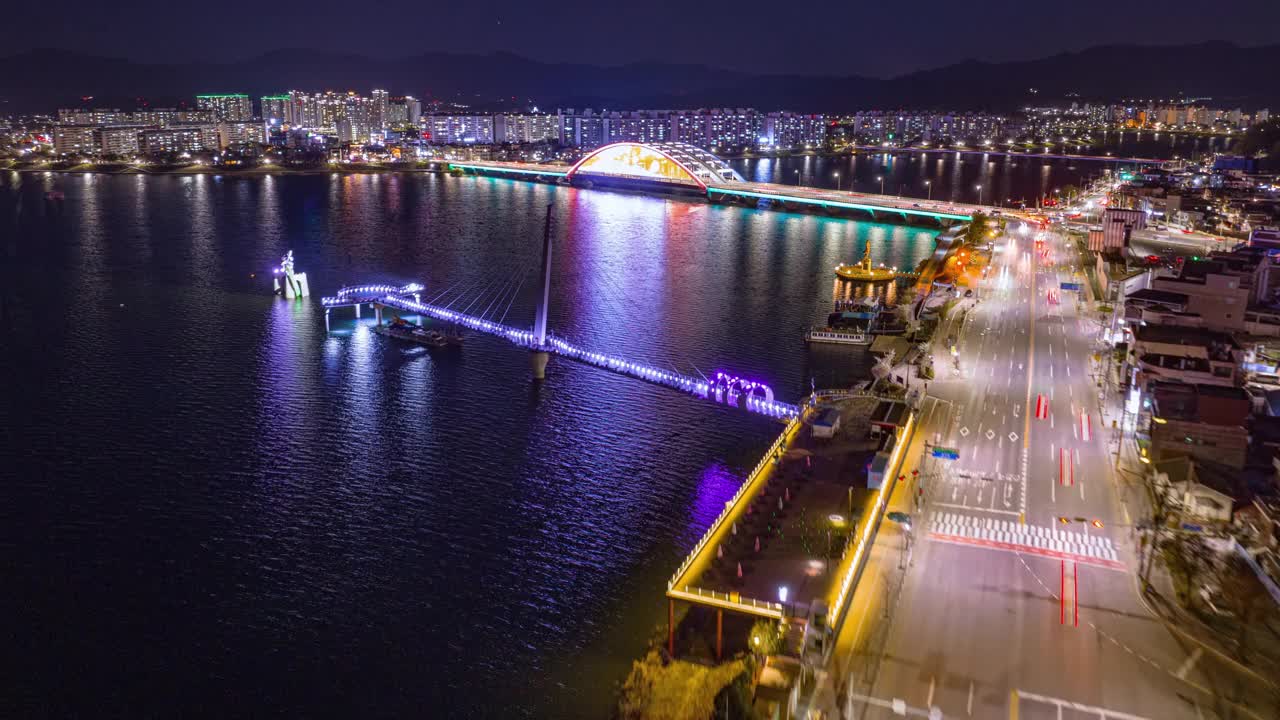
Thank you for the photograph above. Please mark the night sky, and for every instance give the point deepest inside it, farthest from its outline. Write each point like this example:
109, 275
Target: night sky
752, 35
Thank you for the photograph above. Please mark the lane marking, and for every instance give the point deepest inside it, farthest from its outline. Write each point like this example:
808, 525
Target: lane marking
1100, 712
1026, 550
1189, 663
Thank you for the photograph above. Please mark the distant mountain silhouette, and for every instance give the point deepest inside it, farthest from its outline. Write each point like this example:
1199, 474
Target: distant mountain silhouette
43, 80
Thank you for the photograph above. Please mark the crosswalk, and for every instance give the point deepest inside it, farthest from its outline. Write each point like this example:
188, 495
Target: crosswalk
1011, 535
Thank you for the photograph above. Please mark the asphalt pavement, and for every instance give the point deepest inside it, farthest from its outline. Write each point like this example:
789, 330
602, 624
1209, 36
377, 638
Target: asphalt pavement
1005, 610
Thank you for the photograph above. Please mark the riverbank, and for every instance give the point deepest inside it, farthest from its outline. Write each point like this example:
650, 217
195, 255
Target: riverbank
193, 169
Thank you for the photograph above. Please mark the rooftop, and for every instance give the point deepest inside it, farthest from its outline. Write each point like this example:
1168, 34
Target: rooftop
1159, 296
1183, 335
1208, 404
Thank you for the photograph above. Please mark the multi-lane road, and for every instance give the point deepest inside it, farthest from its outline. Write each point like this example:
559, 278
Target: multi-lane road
1005, 611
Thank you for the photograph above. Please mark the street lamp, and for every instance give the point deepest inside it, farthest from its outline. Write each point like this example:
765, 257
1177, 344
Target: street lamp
929, 185
881, 179
979, 189
797, 178
837, 182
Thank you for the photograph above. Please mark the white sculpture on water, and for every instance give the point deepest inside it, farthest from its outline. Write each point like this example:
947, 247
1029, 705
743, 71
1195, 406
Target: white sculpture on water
287, 282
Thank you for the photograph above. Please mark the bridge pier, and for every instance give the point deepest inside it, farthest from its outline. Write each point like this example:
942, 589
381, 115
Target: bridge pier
357, 311
538, 361
377, 313
326, 320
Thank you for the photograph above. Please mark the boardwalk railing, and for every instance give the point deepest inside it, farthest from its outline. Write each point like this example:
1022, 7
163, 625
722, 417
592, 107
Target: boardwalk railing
851, 572
731, 601
729, 505
697, 387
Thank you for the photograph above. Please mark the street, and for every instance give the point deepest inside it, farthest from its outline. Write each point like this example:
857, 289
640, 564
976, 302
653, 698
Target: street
1006, 610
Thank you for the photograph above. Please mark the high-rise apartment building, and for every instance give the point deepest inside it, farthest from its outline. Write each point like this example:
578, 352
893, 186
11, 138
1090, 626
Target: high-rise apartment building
235, 107
303, 110
378, 110
275, 109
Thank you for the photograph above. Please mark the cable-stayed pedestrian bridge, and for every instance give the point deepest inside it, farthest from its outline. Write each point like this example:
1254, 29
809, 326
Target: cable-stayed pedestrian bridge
721, 388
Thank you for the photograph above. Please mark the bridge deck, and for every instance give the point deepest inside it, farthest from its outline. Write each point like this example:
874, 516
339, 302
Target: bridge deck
830, 199
714, 391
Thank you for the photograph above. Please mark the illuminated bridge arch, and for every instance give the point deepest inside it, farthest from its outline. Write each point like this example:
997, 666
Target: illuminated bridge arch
669, 163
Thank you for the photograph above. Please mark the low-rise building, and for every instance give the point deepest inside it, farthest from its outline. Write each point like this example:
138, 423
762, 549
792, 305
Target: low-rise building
1206, 422
1198, 491
1183, 354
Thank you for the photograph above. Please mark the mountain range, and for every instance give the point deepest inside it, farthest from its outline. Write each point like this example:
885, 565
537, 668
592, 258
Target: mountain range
1229, 75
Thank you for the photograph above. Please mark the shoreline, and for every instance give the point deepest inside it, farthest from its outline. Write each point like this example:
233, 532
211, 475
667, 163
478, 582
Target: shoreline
126, 169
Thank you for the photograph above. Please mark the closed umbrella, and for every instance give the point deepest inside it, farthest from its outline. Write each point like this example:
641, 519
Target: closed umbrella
739, 571
779, 503
735, 527
757, 543
719, 552
787, 493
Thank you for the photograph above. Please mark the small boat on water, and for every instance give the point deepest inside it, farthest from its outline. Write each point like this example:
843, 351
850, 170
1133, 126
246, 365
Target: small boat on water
837, 336
413, 333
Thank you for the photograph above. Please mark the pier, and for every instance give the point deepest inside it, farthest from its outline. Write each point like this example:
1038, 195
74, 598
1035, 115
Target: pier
792, 541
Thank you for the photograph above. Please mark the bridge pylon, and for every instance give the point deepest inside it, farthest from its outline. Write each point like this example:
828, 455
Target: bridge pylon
538, 356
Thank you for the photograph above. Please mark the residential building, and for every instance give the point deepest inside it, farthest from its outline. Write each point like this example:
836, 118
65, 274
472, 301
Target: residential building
378, 111
234, 107
232, 134
1165, 353
117, 139
275, 109
525, 128
1216, 294
460, 129
74, 139
1198, 491
1206, 422
178, 139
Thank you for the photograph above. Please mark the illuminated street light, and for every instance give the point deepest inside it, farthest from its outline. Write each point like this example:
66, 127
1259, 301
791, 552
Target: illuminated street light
929, 184
881, 179
837, 182
979, 189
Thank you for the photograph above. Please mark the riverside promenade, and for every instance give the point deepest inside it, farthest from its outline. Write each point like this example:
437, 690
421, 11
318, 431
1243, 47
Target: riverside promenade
791, 543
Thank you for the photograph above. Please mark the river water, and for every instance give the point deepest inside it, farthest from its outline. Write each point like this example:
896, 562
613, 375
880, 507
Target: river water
213, 505
956, 177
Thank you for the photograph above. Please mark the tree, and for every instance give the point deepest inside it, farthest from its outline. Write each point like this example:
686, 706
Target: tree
766, 637
1261, 139
979, 228
1188, 557
1245, 596
1161, 511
